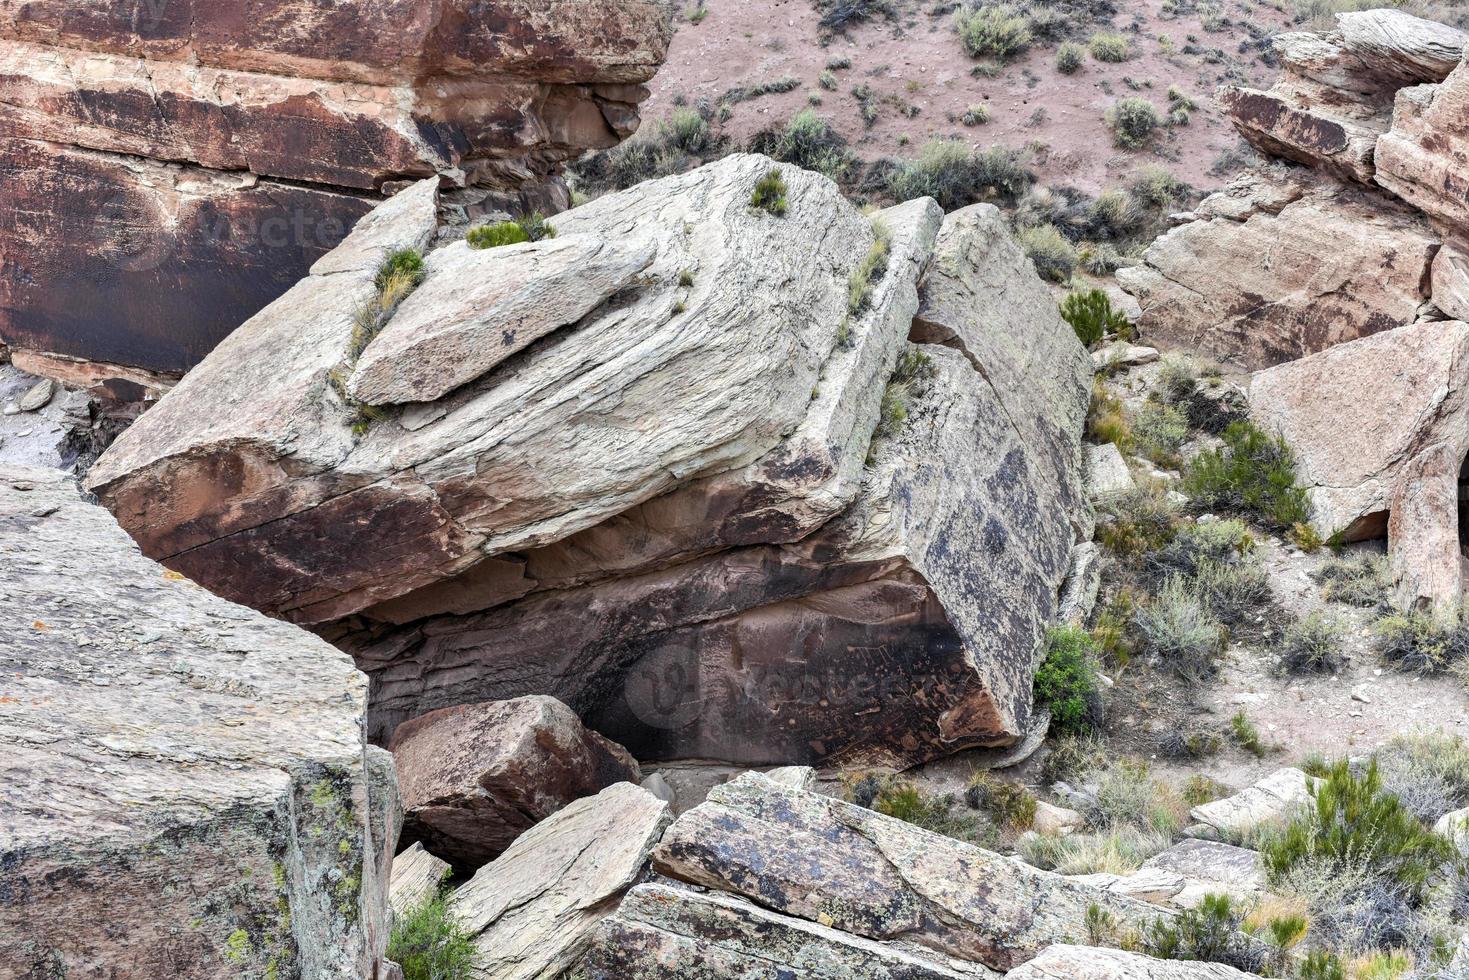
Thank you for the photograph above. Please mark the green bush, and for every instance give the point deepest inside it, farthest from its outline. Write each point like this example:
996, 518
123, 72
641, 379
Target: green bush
1133, 122
808, 141
954, 175
1156, 188
1053, 256
1091, 315
532, 228
998, 31
1246, 734
1069, 58
1209, 933
770, 193
1320, 964
1011, 804
1425, 642
1363, 580
1179, 628
904, 801
1159, 431
403, 264
1234, 591
1353, 823
1199, 544
1253, 474
1313, 645
1137, 524
1066, 682
975, 115
430, 943
688, 131
1111, 47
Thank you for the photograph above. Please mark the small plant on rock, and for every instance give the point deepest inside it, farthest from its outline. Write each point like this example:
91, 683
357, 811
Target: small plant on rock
532, 228
1091, 315
430, 943
402, 268
770, 193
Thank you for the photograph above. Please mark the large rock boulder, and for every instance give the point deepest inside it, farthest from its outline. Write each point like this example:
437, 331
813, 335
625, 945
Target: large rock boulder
1424, 158
729, 512
664, 933
476, 776
820, 859
1068, 962
186, 787
1380, 434
533, 911
186, 164
1278, 267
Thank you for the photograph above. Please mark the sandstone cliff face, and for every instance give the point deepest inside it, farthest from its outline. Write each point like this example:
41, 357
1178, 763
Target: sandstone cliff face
176, 166
713, 499
185, 790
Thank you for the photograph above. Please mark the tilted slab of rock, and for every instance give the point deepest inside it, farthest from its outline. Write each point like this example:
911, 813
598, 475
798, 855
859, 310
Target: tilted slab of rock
1276, 798
1451, 283
479, 306
1208, 868
1330, 265
1396, 45
1285, 122
1424, 158
533, 909
476, 776
663, 933
1378, 427
1066, 962
831, 862
416, 878
186, 788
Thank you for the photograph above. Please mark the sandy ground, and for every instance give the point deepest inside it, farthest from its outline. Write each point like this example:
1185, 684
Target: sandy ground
916, 61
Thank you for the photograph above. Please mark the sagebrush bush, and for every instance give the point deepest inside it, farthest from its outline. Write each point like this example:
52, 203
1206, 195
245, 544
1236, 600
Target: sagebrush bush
1128, 795
1313, 645
808, 140
1352, 822
838, 15
1429, 773
1092, 316
975, 115
1107, 46
1133, 121
1235, 592
1157, 188
1072, 757
1178, 627
430, 943
1363, 580
954, 175
1112, 214
1069, 58
1187, 743
1254, 473
1159, 431
1197, 544
1425, 642
1066, 682
1009, 804
996, 31
1052, 254
1137, 523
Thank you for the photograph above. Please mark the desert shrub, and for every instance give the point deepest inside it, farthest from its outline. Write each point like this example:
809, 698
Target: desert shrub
430, 943
681, 142
1106, 420
1425, 642
1009, 804
827, 80
770, 193
1178, 378
1353, 823
1246, 734
1362, 580
1107, 46
1428, 773
688, 131
1198, 544
1312, 645
1137, 524
1179, 628
1091, 315
1119, 850
1157, 188
809, 141
1200, 789
1187, 743
902, 800
1053, 256
956, 176
975, 115
838, 15
531, 228
1101, 259
1133, 122
1069, 58
1233, 591
1071, 757
1159, 431
1209, 933
1066, 682
996, 31
1112, 214
1254, 473
1321, 964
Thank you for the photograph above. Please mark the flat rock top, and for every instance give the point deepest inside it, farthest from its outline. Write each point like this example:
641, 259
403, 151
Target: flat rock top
129, 692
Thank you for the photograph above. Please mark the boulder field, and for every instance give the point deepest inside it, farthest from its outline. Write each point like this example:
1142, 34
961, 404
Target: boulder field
172, 167
1340, 278
731, 484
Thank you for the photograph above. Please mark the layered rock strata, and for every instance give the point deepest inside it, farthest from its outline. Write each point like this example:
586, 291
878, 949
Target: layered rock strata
177, 166
186, 787
712, 498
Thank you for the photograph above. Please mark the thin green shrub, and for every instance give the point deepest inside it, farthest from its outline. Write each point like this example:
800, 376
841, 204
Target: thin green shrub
430, 943
770, 193
1107, 46
1070, 57
1066, 682
1254, 474
1092, 316
1134, 121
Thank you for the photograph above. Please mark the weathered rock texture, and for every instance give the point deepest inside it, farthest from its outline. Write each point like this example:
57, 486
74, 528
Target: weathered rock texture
417, 877
660, 932
186, 787
678, 514
820, 859
178, 166
1380, 428
1064, 962
533, 910
477, 776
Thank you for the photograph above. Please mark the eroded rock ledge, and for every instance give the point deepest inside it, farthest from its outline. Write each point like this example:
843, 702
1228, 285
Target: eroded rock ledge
186, 787
717, 505
174, 167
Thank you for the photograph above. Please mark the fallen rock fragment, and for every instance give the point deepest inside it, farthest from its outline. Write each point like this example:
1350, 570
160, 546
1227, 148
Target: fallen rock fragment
1107, 475
1065, 962
1272, 800
533, 910
476, 776
417, 877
